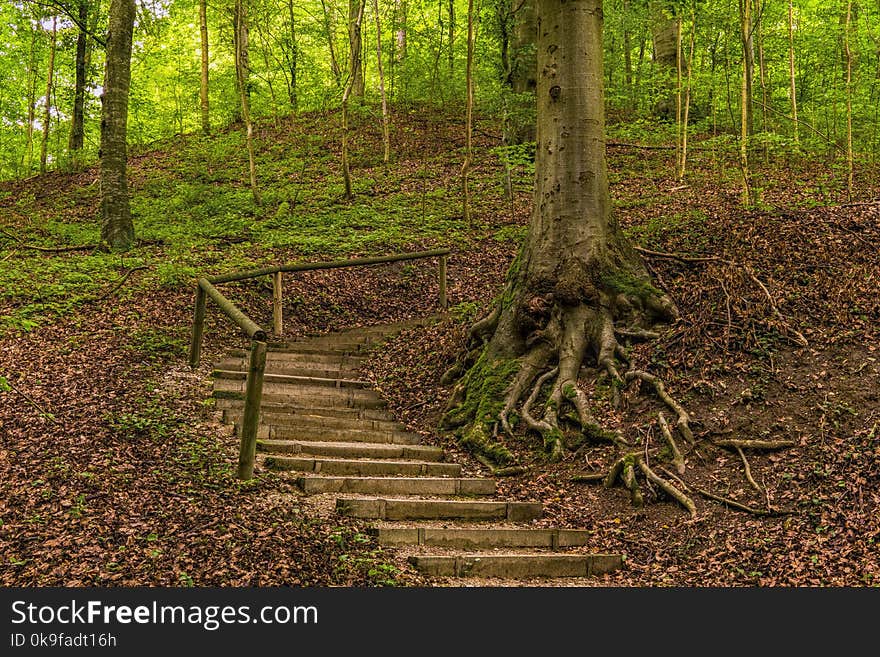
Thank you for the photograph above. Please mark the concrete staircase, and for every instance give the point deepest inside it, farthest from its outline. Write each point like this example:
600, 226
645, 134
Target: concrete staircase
336, 437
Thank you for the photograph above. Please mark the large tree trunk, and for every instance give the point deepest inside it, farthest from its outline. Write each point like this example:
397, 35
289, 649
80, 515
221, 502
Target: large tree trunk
117, 229
575, 276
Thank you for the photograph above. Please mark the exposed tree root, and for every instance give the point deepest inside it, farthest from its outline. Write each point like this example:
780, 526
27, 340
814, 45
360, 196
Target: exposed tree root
682, 424
735, 443
677, 458
733, 504
624, 471
748, 469
668, 488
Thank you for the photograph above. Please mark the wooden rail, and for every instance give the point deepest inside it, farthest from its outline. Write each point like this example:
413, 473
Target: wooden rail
206, 289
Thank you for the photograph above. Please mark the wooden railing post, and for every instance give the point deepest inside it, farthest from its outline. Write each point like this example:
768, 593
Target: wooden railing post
443, 301
252, 399
195, 345
277, 314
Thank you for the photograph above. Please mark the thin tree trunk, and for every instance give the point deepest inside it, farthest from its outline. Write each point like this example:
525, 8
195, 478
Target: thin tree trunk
117, 229
760, 7
849, 96
687, 100
31, 101
47, 114
791, 74
349, 85
241, 54
203, 88
748, 48
77, 121
355, 64
328, 31
678, 90
627, 55
401, 10
745, 98
292, 58
241, 74
451, 26
386, 136
469, 109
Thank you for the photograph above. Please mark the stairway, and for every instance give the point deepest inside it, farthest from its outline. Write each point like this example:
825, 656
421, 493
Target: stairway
336, 437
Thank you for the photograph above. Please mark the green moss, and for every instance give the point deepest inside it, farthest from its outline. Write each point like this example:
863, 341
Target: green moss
485, 383
596, 433
623, 282
569, 391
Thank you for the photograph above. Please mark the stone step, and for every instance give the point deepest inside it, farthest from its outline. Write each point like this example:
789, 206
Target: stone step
478, 538
352, 450
517, 566
297, 389
313, 422
329, 360
233, 405
287, 379
327, 434
316, 370
397, 485
408, 509
363, 467
339, 350
333, 398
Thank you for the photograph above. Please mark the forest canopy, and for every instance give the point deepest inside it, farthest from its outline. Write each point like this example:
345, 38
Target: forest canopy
823, 56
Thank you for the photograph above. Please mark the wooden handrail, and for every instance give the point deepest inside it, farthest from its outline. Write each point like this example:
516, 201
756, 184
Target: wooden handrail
257, 360
332, 264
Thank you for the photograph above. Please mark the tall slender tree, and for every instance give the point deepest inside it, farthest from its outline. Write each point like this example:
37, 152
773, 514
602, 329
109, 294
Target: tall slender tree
117, 229
47, 105
204, 105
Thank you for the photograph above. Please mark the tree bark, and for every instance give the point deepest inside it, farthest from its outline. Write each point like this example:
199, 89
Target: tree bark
77, 120
117, 229
31, 101
575, 275
523, 63
666, 34
328, 31
354, 55
242, 75
386, 135
203, 87
791, 73
292, 58
469, 117
47, 113
847, 48
355, 63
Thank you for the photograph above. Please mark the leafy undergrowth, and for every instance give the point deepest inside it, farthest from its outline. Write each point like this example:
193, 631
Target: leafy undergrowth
114, 470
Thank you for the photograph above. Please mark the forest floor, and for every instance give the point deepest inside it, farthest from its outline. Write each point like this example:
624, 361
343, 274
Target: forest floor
115, 471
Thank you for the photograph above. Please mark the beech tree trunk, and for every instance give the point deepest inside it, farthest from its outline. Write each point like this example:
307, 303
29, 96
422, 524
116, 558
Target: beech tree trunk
355, 63
523, 64
575, 276
242, 74
117, 229
666, 34
77, 120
